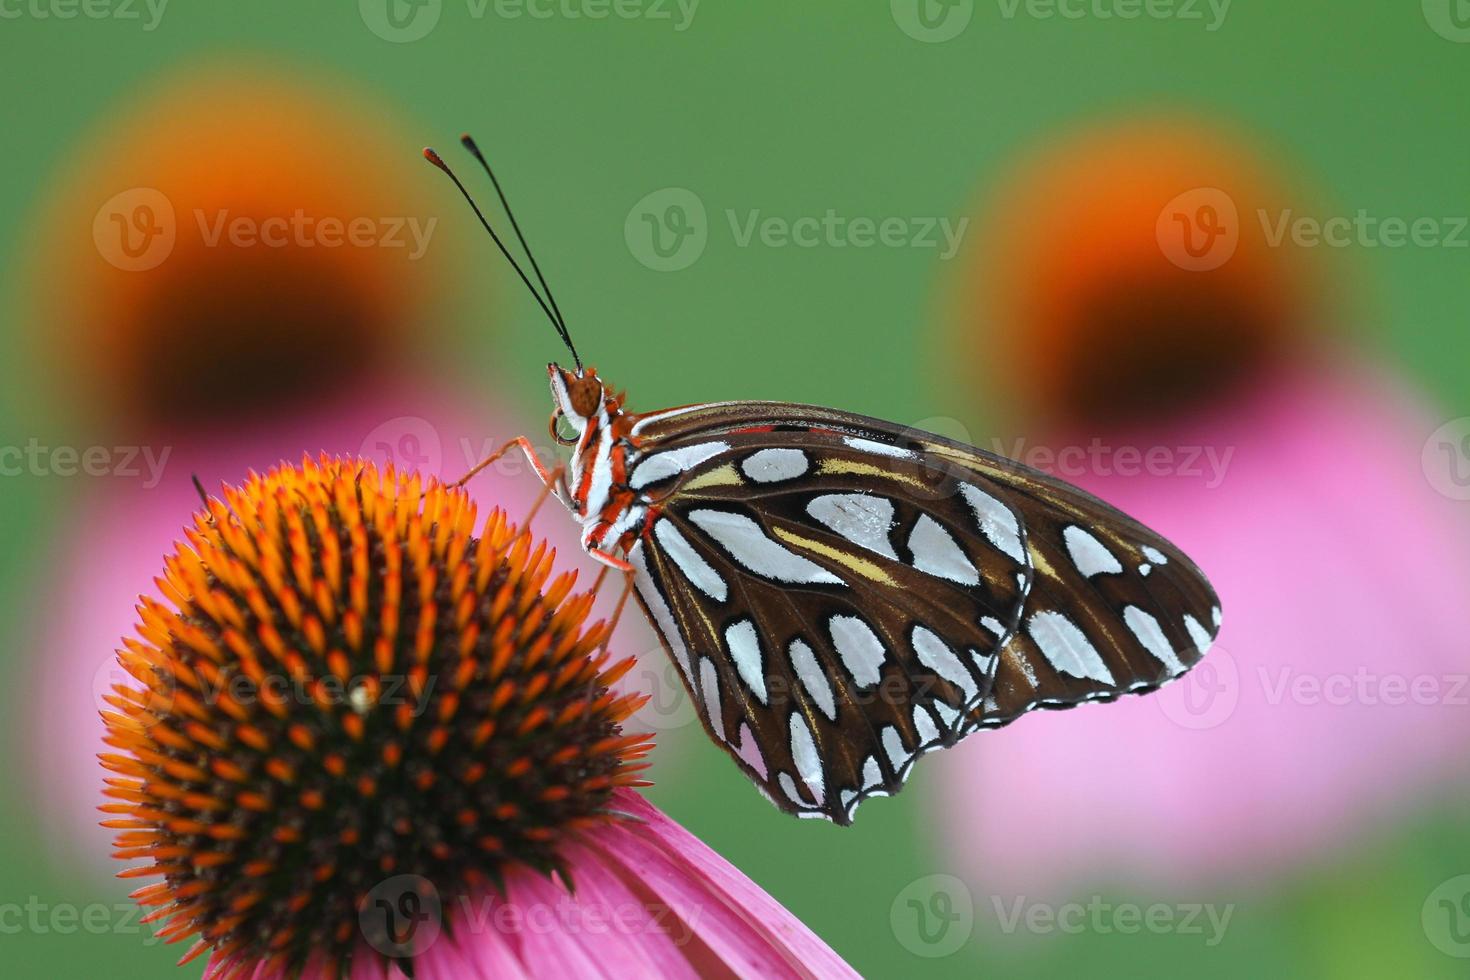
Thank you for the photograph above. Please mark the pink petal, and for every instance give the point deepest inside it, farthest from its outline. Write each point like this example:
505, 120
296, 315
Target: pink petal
689, 859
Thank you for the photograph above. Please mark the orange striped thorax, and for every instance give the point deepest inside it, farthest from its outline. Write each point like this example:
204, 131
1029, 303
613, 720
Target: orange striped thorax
612, 512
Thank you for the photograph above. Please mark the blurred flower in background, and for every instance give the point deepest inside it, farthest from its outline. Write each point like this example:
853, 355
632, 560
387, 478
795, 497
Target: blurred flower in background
1162, 352
253, 270
237, 245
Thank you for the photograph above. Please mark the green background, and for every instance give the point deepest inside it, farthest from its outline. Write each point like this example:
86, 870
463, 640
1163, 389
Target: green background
793, 108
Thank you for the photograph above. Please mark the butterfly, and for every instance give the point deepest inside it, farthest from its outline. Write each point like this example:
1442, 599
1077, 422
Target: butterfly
842, 595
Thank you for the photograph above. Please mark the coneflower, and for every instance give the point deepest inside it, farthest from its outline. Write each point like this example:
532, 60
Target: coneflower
358, 703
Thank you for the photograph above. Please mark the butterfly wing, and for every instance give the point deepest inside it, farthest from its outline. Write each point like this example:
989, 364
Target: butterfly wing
842, 595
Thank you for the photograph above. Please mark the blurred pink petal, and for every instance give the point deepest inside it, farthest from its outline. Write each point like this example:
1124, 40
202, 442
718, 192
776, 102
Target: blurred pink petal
1343, 575
650, 900
109, 551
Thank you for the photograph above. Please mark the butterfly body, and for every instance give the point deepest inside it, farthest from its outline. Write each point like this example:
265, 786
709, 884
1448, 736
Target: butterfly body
842, 595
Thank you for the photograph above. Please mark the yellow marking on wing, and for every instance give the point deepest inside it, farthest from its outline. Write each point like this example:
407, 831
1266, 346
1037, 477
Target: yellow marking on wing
845, 558
722, 476
864, 469
1040, 562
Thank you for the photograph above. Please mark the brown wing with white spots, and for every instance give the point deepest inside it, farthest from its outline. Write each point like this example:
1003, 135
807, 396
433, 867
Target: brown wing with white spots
843, 595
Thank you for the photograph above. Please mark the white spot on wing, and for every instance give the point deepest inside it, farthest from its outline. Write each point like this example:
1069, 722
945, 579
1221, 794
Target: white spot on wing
881, 448
893, 745
709, 686
1067, 647
862, 519
986, 663
935, 654
924, 725
937, 553
996, 521
1155, 555
1215, 615
1197, 633
788, 786
1151, 635
745, 651
775, 465
804, 755
859, 647
698, 571
662, 617
671, 462
754, 550
813, 677
994, 625
1089, 554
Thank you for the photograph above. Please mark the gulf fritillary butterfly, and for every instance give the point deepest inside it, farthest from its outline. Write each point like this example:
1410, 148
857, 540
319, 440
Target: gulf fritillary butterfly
841, 594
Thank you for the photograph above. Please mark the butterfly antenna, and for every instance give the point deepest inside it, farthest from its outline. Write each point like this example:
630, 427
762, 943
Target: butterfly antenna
468, 142
438, 161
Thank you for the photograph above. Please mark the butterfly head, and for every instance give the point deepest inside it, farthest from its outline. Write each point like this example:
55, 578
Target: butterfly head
579, 396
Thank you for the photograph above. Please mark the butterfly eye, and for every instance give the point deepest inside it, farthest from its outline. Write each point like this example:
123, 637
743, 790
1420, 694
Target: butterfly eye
563, 434
586, 395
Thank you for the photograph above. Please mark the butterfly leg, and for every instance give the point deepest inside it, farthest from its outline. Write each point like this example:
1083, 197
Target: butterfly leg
613, 561
548, 475
553, 483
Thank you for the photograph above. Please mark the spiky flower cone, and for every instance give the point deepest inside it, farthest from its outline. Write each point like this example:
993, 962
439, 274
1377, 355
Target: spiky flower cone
346, 685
